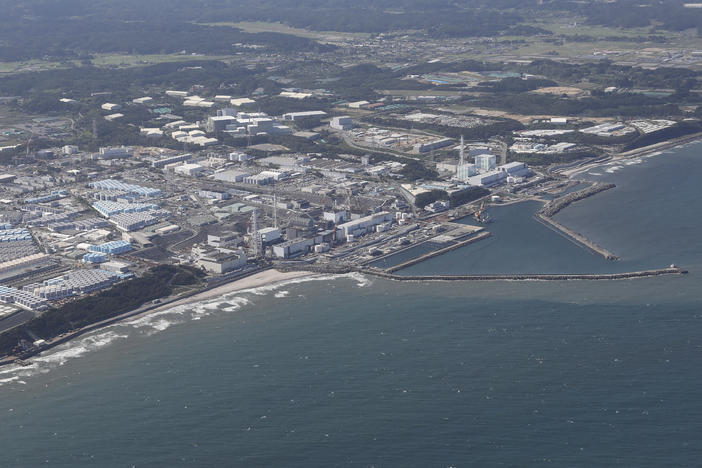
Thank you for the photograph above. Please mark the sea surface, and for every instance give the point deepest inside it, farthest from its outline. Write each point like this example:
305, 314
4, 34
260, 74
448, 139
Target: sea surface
354, 371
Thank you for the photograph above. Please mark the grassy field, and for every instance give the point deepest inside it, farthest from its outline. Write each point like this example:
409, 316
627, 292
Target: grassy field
136, 60
321, 36
106, 60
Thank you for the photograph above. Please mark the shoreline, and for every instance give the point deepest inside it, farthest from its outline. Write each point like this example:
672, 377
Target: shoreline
278, 274
638, 152
258, 278
273, 276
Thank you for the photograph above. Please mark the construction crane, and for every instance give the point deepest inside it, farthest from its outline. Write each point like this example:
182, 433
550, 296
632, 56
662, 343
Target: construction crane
481, 215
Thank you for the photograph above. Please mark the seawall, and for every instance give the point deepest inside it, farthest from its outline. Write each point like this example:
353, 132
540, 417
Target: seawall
531, 277
435, 253
544, 216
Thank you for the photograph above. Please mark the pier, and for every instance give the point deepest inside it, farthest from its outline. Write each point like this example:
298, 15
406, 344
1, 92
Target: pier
457, 245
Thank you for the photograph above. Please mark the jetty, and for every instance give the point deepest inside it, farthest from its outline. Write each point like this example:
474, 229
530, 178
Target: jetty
530, 277
545, 214
551, 208
482, 235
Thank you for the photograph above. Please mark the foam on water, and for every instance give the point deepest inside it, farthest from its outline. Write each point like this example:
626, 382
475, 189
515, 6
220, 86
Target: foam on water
156, 322
613, 169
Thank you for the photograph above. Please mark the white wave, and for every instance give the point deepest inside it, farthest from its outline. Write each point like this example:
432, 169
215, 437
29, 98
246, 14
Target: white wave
235, 303
361, 280
75, 348
265, 289
595, 173
613, 169
153, 323
9, 380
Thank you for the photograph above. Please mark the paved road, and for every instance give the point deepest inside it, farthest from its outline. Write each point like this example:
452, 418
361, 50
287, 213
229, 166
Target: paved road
15, 320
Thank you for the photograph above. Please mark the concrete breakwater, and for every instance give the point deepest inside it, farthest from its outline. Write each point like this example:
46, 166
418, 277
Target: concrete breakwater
429, 255
550, 209
531, 277
328, 269
544, 216
574, 236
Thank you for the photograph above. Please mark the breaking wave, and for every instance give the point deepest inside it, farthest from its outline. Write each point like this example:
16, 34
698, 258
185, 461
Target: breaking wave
156, 322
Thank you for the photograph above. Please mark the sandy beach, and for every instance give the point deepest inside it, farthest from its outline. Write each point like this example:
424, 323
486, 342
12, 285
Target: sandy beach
263, 278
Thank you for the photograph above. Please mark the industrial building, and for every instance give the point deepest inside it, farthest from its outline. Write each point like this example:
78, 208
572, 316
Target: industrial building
241, 102
233, 175
488, 179
515, 169
293, 248
466, 171
189, 169
120, 152
294, 116
343, 122
129, 222
335, 217
485, 162
170, 160
179, 94
112, 248
269, 235
111, 185
222, 262
361, 226
432, 145
110, 209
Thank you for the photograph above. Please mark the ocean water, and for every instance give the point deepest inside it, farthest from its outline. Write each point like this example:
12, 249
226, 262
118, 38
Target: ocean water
354, 371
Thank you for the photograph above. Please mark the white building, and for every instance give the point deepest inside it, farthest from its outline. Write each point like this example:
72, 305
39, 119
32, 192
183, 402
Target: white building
108, 106
218, 123
515, 169
432, 145
335, 217
486, 162
240, 157
117, 152
233, 175
241, 102
361, 226
293, 248
343, 122
189, 169
222, 262
270, 234
293, 116
70, 149
466, 171
358, 104
488, 179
